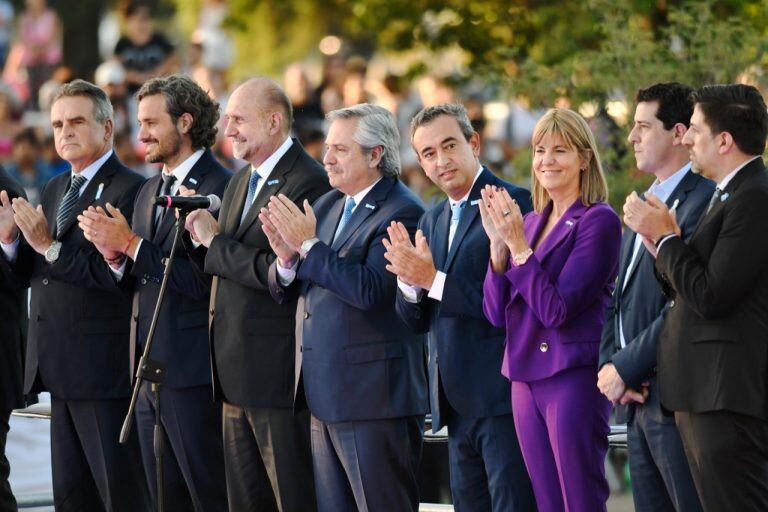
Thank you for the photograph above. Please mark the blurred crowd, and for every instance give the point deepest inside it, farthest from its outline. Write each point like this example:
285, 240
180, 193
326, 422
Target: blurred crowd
134, 50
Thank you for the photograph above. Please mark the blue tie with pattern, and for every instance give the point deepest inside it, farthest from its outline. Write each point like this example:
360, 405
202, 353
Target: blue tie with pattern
456, 211
349, 206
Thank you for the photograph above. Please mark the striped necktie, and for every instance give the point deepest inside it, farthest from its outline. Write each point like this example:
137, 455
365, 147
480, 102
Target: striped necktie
68, 201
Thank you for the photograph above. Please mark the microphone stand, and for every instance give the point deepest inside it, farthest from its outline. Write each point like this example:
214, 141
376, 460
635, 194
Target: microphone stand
154, 371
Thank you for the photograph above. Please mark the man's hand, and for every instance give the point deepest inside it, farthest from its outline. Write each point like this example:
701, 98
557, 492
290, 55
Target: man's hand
631, 395
31, 221
610, 383
185, 192
9, 231
293, 225
285, 255
202, 226
413, 264
650, 218
108, 230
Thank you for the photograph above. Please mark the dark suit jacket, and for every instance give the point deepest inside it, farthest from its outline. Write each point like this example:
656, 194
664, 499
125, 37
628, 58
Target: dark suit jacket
641, 301
359, 361
12, 319
465, 350
713, 353
252, 337
181, 336
79, 318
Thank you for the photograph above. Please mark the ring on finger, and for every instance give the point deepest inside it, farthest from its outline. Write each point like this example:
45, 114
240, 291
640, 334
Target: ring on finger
505, 213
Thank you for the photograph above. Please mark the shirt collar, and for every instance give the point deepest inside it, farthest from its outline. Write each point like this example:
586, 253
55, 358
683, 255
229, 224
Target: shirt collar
268, 165
466, 196
729, 177
182, 170
664, 189
89, 172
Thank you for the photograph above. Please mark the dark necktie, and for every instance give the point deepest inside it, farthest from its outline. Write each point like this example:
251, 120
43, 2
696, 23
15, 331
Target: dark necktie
715, 196
68, 201
168, 181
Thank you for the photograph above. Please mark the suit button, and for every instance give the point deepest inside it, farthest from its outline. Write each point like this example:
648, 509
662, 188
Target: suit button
306, 315
143, 281
45, 281
544, 346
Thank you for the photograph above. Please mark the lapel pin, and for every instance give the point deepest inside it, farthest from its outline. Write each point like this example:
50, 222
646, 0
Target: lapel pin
675, 205
99, 191
273, 182
569, 223
724, 197
193, 181
370, 206
474, 203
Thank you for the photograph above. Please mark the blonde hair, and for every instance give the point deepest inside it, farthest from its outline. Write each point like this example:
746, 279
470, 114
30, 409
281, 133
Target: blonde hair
573, 130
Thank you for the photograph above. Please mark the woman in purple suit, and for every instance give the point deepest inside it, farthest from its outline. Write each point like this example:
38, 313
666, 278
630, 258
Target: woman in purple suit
550, 278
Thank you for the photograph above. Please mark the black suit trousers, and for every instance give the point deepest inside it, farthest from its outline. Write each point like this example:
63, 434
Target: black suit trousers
727, 455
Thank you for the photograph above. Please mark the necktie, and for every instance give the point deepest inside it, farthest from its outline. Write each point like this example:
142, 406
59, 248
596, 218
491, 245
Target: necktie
715, 196
68, 201
165, 190
456, 211
253, 184
349, 205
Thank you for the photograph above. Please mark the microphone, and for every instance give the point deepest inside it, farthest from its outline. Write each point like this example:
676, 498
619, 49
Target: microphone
211, 202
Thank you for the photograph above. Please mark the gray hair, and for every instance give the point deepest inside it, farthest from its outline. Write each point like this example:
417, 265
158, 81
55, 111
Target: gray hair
102, 108
375, 128
454, 110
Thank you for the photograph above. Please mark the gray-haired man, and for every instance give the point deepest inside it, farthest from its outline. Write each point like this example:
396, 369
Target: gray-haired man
364, 372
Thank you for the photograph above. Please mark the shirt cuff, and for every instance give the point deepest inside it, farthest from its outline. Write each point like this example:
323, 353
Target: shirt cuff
438, 284
138, 247
286, 275
411, 293
661, 242
119, 272
11, 250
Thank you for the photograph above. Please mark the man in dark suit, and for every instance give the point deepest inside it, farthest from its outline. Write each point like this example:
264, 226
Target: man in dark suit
12, 316
266, 445
177, 122
364, 373
661, 479
713, 356
467, 392
78, 346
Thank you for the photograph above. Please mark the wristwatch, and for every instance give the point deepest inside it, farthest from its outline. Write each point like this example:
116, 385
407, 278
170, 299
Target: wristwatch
306, 245
52, 252
521, 258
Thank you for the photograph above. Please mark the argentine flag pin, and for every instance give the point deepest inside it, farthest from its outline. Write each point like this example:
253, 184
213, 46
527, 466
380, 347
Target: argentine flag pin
370, 206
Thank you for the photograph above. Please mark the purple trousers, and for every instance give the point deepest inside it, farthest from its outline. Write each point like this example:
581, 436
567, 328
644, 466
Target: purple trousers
562, 426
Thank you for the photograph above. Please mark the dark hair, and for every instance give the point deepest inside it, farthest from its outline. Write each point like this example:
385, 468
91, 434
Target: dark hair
454, 110
184, 96
131, 7
102, 108
674, 99
28, 135
737, 109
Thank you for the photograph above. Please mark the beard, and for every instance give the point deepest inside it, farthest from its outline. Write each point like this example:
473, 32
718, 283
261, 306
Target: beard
165, 149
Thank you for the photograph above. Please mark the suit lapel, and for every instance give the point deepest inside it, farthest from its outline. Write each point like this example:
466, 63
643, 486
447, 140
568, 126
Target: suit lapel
439, 242
367, 206
274, 182
193, 180
564, 226
471, 212
144, 225
327, 225
100, 180
232, 222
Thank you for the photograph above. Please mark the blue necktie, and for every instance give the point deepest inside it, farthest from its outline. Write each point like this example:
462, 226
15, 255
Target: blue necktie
253, 183
348, 207
456, 211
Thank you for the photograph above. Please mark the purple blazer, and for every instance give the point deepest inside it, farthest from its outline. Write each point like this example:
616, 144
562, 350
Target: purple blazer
553, 306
